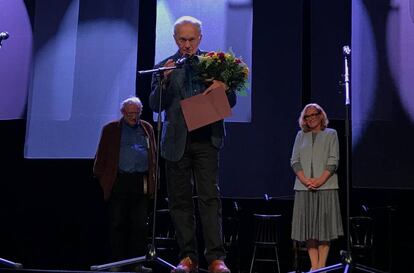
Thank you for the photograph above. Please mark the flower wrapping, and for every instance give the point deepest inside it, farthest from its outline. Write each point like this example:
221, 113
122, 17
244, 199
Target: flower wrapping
223, 67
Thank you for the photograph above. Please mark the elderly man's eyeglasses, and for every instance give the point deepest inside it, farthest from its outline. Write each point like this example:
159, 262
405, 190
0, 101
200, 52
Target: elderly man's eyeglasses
308, 117
192, 40
131, 113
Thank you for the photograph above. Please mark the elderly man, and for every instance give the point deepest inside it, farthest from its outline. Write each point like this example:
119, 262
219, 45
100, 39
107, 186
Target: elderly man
125, 167
187, 153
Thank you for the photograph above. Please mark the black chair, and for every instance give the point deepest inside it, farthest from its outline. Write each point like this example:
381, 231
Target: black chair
231, 227
300, 256
361, 238
164, 241
266, 233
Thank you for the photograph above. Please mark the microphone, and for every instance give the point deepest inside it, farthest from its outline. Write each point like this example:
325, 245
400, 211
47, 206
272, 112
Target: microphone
365, 208
4, 35
346, 50
235, 206
181, 61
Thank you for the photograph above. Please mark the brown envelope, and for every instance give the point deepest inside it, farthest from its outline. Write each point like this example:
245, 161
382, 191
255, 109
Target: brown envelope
201, 109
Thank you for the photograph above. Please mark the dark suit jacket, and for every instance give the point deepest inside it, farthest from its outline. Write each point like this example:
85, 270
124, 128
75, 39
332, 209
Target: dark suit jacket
107, 157
174, 133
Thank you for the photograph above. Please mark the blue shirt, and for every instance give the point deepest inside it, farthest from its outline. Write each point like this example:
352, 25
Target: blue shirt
193, 86
133, 154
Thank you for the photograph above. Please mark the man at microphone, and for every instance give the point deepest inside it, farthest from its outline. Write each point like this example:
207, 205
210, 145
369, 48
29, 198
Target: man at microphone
191, 156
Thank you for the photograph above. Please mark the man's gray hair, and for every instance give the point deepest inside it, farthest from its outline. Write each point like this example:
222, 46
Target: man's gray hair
131, 100
187, 20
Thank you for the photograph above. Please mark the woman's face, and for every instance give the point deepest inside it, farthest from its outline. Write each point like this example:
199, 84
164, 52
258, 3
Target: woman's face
313, 118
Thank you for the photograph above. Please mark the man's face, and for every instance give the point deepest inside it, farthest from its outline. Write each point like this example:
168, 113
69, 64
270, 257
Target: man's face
187, 38
131, 113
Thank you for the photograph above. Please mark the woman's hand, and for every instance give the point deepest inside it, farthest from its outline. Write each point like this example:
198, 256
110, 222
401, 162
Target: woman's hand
315, 183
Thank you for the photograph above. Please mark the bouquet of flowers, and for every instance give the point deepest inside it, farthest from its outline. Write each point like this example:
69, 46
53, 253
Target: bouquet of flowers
224, 67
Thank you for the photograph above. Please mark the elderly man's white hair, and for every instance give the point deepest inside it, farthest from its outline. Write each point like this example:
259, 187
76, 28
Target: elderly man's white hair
187, 20
131, 100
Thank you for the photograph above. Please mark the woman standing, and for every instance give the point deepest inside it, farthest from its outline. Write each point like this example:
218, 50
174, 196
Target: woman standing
316, 213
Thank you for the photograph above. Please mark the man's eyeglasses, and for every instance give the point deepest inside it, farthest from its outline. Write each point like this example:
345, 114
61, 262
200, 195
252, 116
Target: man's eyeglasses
131, 113
182, 41
308, 117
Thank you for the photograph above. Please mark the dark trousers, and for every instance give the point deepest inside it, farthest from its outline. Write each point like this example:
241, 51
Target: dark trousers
128, 211
202, 159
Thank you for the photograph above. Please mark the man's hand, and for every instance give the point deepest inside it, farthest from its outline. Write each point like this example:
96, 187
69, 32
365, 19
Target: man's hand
168, 63
214, 85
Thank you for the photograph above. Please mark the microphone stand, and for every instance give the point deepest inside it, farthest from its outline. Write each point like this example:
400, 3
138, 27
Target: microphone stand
347, 52
152, 252
4, 36
10, 263
347, 263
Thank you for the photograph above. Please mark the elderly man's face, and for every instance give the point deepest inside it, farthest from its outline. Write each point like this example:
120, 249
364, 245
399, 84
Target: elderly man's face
131, 113
187, 38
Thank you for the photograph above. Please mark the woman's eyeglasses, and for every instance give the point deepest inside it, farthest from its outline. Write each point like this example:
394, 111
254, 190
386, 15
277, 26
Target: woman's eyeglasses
308, 117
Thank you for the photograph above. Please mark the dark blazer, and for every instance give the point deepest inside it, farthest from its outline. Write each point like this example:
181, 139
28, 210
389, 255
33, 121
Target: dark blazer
174, 132
107, 156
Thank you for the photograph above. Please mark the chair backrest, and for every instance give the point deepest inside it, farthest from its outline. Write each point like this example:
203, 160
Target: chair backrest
266, 228
164, 228
361, 232
231, 225
230, 231
164, 237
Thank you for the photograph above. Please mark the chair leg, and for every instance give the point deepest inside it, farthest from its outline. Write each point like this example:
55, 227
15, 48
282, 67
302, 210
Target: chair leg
277, 260
253, 258
295, 256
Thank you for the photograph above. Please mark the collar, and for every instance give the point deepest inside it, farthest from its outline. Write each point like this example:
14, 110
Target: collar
123, 122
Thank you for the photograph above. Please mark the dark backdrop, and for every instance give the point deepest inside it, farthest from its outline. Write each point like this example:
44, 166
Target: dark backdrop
52, 210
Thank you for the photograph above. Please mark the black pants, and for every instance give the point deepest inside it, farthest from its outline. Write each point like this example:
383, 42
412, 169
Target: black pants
128, 212
202, 158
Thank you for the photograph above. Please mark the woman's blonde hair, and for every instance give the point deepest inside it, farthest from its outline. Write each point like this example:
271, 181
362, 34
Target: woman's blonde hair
302, 122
